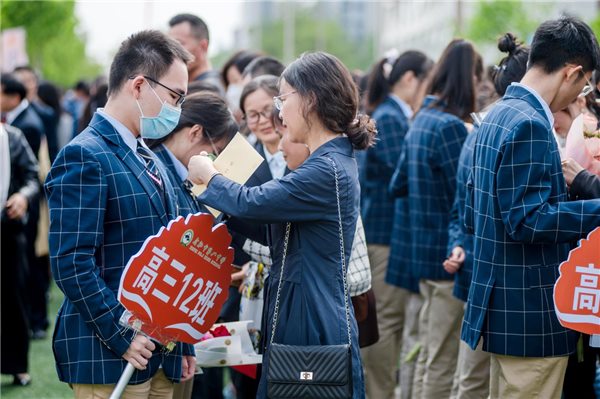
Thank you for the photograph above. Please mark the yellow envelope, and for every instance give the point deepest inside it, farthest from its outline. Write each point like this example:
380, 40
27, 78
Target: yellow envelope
238, 161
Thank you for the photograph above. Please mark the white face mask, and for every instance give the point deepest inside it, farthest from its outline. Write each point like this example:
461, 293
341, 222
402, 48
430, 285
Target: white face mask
233, 95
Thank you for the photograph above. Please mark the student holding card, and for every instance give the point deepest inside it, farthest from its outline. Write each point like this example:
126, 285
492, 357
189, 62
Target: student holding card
318, 103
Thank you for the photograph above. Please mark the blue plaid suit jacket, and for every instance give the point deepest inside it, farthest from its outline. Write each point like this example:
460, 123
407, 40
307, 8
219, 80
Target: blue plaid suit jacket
458, 236
377, 205
103, 205
428, 168
522, 228
186, 203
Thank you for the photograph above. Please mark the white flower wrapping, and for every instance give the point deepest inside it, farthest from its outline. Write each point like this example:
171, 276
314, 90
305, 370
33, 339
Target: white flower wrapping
234, 350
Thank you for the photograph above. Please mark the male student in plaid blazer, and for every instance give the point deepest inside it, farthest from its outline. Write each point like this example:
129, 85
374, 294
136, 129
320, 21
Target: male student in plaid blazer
523, 227
106, 195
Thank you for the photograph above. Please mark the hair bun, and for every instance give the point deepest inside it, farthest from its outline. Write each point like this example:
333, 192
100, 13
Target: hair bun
508, 43
361, 132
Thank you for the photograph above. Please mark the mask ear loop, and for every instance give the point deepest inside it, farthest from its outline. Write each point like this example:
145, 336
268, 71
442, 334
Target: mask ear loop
139, 107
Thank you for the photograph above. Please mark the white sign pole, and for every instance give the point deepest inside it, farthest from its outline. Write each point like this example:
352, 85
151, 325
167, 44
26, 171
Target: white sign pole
123, 381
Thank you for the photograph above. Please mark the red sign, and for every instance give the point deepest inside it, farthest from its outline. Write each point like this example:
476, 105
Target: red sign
577, 290
178, 281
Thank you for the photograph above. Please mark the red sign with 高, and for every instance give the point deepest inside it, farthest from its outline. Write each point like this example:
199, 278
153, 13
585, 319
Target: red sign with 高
577, 290
178, 281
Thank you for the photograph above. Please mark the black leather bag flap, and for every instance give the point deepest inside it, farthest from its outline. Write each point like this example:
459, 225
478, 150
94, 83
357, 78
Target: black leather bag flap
326, 365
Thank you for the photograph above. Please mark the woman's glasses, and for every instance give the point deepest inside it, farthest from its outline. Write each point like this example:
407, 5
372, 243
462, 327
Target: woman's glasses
277, 100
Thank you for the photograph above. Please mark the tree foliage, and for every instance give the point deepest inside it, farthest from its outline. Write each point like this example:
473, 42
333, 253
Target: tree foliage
493, 18
53, 45
595, 25
316, 33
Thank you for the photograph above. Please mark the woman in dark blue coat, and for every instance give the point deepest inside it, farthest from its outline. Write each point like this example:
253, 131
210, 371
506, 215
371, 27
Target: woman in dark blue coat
318, 104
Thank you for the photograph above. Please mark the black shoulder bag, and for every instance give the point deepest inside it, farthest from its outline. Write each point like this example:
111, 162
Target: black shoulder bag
317, 371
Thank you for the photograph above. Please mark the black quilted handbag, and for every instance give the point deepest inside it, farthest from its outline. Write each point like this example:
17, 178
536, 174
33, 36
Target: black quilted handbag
318, 371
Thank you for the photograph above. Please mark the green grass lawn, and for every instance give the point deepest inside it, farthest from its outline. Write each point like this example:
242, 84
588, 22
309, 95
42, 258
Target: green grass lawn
44, 381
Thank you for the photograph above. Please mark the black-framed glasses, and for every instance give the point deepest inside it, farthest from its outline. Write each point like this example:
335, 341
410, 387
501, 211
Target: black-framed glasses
181, 97
253, 117
277, 100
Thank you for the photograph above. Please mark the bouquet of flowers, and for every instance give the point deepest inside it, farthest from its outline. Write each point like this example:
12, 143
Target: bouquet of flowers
583, 143
228, 344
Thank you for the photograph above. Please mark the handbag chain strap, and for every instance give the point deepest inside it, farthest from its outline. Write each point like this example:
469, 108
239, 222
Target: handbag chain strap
342, 255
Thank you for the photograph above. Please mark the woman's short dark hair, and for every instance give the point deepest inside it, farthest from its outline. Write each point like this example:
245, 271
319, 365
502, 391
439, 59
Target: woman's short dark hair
208, 110
264, 65
329, 91
390, 70
239, 60
148, 52
512, 67
268, 83
562, 41
453, 79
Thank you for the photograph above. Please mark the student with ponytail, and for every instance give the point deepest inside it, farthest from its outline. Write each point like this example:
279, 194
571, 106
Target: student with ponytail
394, 92
426, 173
318, 103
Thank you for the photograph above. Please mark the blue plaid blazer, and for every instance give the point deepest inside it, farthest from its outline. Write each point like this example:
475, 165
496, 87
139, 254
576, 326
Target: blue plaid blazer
458, 236
377, 205
186, 202
522, 227
399, 271
103, 205
428, 169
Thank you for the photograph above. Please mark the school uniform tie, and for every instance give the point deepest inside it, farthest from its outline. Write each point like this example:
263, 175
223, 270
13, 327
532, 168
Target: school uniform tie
151, 167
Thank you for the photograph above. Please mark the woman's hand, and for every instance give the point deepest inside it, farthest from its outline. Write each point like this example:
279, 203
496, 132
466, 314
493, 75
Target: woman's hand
570, 169
201, 169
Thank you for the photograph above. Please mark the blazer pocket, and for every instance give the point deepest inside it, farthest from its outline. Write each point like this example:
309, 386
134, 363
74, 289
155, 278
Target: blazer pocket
541, 276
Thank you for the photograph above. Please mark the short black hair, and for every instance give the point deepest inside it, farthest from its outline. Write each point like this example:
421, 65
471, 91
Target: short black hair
561, 41
240, 60
202, 85
82, 86
10, 85
27, 68
264, 65
199, 27
148, 52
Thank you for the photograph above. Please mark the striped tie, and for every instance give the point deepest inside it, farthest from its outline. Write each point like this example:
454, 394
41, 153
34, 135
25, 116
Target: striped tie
151, 167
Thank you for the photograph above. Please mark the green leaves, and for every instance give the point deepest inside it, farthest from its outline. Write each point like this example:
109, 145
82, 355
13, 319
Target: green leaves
53, 44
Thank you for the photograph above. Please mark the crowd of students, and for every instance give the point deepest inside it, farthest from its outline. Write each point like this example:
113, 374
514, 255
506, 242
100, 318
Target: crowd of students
431, 194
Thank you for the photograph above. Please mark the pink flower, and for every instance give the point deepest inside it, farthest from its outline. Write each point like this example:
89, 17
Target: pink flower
206, 336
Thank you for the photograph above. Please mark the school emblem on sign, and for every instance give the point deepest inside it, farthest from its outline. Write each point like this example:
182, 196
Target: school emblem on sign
178, 281
577, 290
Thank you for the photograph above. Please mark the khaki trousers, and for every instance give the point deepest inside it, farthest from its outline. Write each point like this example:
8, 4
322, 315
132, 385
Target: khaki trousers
472, 377
158, 387
397, 312
439, 333
514, 377
183, 390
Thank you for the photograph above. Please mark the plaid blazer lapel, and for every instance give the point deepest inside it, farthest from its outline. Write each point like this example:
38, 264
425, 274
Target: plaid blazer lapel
123, 152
